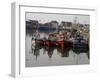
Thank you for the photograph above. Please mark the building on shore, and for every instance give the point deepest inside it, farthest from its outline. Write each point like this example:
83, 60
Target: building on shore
31, 26
54, 24
65, 25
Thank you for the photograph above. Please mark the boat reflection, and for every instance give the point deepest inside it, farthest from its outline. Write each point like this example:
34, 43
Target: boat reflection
62, 51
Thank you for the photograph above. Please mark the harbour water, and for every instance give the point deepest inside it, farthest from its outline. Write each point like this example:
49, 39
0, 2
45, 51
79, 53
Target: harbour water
51, 56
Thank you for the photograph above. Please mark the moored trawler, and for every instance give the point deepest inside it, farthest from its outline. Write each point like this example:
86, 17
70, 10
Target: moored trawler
53, 39
79, 41
62, 39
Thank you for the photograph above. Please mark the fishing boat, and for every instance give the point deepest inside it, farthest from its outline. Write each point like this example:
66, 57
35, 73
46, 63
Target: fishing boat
58, 39
35, 37
80, 43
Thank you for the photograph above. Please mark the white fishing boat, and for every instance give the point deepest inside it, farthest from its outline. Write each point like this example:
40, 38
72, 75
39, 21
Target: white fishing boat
35, 37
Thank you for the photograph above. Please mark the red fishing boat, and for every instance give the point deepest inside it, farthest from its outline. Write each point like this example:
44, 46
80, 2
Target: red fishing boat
55, 39
58, 39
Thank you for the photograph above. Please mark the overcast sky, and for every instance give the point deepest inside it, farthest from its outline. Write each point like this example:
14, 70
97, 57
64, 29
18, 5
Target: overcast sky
44, 17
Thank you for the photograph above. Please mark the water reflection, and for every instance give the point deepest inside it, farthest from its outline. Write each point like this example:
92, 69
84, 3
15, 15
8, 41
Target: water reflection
61, 51
41, 55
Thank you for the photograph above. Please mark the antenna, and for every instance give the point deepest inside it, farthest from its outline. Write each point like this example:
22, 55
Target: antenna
75, 22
